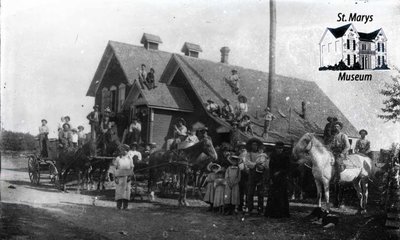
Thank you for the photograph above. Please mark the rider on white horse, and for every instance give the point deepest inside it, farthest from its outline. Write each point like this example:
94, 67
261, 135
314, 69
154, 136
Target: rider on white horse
340, 147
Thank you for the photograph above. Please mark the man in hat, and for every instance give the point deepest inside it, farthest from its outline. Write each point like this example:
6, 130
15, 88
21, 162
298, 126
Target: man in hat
328, 131
64, 136
278, 202
179, 134
256, 176
212, 107
94, 118
340, 147
267, 121
43, 139
363, 145
245, 124
234, 81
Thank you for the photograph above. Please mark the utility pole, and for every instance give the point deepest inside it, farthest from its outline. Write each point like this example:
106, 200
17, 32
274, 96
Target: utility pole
272, 40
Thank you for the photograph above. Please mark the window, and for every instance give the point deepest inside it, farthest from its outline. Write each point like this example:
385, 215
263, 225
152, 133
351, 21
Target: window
348, 43
379, 61
113, 99
383, 60
354, 45
363, 47
383, 47
348, 59
104, 98
379, 47
121, 96
354, 58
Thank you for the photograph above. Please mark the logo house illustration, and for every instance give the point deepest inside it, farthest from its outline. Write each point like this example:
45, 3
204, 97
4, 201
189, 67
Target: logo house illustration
344, 48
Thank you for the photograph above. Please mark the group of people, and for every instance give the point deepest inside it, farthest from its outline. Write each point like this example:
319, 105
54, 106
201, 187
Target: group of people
182, 137
338, 142
249, 171
146, 78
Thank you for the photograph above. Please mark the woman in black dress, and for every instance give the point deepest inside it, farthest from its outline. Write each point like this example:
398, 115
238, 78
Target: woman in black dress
278, 203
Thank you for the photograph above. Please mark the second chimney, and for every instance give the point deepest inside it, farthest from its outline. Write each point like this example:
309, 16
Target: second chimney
224, 54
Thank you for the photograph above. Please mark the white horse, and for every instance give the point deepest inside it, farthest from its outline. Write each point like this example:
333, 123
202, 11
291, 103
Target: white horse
358, 168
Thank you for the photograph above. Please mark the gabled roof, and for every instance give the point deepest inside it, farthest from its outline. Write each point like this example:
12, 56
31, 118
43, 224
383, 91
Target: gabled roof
147, 37
191, 47
207, 79
369, 37
340, 31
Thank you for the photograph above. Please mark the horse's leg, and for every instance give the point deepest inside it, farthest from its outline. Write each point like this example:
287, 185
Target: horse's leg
326, 191
180, 189
364, 186
186, 179
357, 187
319, 192
78, 189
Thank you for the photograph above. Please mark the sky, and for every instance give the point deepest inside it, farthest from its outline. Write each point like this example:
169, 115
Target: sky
51, 49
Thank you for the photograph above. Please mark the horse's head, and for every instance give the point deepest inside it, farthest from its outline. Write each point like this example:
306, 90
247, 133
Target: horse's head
208, 149
303, 146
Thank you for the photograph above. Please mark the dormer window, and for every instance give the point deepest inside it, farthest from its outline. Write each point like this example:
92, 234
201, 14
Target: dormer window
150, 41
191, 49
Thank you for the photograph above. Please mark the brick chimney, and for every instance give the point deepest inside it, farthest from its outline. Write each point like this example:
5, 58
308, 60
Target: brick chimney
191, 49
224, 54
150, 41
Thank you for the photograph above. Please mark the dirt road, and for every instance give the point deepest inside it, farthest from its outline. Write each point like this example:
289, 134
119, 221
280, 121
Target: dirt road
42, 212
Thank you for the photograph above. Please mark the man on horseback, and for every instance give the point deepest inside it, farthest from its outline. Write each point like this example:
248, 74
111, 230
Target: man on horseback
340, 147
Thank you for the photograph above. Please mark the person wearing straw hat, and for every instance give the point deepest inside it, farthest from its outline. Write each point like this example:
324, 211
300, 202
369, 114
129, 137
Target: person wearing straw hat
124, 171
209, 195
64, 136
234, 81
232, 177
219, 191
363, 146
43, 139
256, 177
278, 202
212, 107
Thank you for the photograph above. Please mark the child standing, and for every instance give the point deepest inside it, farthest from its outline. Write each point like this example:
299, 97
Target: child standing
74, 138
209, 196
219, 185
232, 177
81, 136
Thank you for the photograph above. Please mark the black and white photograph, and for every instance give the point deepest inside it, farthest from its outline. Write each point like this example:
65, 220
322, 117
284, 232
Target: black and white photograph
183, 119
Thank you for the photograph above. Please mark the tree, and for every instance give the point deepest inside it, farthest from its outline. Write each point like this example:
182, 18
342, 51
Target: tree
392, 102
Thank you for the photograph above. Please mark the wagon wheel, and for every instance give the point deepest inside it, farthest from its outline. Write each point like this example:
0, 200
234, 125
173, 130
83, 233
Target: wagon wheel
34, 169
53, 173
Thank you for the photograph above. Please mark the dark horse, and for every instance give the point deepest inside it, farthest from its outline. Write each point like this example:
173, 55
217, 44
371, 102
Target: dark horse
181, 162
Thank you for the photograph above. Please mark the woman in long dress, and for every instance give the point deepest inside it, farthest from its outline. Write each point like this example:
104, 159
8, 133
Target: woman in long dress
209, 195
278, 202
123, 173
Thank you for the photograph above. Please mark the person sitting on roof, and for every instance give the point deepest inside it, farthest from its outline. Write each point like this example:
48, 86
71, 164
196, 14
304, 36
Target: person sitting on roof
234, 134
245, 124
142, 75
227, 111
234, 81
150, 79
267, 121
213, 108
242, 107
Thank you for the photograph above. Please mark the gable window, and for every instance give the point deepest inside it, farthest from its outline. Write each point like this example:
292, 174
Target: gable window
383, 60
354, 45
121, 95
363, 47
348, 59
379, 47
113, 99
348, 43
383, 47
355, 58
